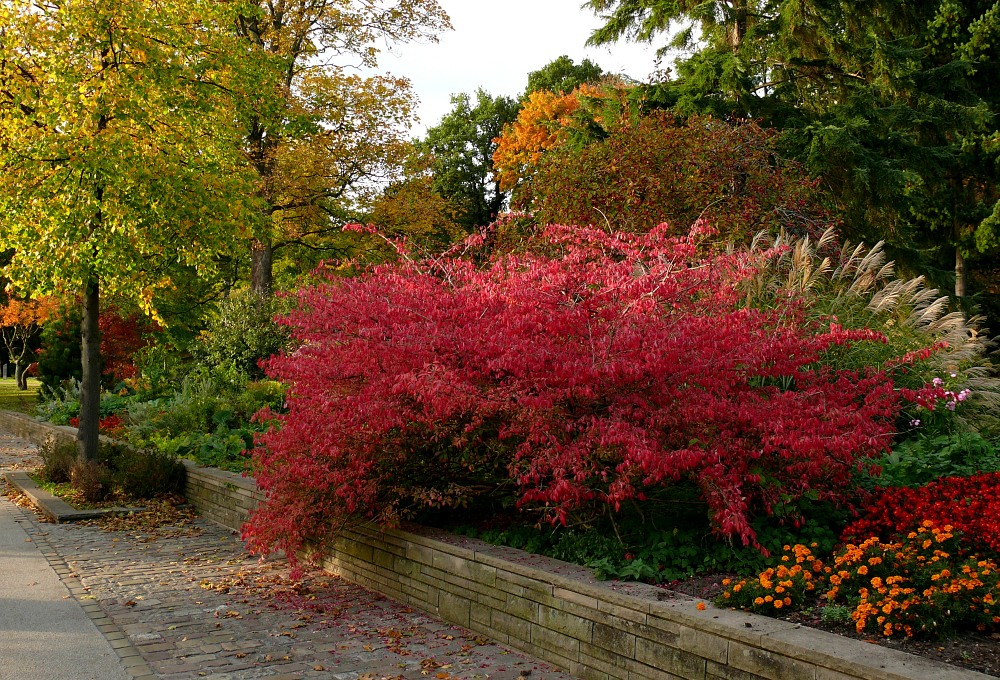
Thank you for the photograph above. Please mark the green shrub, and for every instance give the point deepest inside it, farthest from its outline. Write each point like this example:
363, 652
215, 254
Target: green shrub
59, 403
143, 473
920, 460
92, 479
57, 460
670, 539
243, 333
207, 420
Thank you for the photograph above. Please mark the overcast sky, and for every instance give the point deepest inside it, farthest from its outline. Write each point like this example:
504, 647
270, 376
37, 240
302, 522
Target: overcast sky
494, 45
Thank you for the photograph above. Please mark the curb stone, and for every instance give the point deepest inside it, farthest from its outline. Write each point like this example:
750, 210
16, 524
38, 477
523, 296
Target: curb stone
55, 508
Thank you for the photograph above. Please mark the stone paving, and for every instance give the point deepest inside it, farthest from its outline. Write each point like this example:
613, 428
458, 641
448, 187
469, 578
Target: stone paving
190, 603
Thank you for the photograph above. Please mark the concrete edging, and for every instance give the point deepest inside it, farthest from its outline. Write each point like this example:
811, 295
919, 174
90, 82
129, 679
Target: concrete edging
55, 508
559, 613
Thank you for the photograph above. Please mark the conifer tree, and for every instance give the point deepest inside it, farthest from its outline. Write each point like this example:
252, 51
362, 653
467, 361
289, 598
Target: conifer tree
893, 104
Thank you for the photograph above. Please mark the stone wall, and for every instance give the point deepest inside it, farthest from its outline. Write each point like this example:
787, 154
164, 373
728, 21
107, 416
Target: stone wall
223, 497
28, 428
558, 612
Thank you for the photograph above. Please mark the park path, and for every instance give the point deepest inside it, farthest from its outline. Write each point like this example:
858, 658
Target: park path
188, 602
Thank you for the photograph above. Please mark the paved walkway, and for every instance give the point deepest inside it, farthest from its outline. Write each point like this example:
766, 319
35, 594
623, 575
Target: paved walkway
188, 602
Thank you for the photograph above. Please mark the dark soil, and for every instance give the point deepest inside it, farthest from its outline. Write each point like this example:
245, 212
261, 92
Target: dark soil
978, 652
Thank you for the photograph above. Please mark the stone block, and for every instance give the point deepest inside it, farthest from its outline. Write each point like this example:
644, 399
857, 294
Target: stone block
480, 616
669, 659
707, 645
717, 671
767, 664
622, 612
556, 643
574, 596
512, 626
454, 608
565, 623
522, 608
605, 659
639, 671
613, 640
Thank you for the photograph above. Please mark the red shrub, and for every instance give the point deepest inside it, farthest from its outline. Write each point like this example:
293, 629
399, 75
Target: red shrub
122, 335
111, 425
620, 365
969, 504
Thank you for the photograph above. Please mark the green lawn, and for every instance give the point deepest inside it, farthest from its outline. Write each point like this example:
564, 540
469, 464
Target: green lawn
12, 399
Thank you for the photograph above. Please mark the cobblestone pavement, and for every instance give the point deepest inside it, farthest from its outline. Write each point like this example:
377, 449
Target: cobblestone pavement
194, 605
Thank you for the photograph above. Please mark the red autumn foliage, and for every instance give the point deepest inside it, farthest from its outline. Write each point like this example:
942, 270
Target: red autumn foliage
969, 504
122, 335
110, 425
594, 374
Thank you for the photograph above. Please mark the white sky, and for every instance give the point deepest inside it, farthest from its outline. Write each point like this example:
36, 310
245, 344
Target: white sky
495, 44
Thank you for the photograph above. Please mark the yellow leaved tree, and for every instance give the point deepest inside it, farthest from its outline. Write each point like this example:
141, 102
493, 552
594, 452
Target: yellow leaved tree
121, 166
330, 136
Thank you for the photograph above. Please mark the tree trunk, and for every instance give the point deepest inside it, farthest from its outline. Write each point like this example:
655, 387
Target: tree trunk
261, 267
20, 378
738, 27
961, 279
90, 386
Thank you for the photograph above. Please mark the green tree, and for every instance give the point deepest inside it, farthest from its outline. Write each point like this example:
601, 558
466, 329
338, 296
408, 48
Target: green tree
243, 333
462, 147
120, 164
894, 104
322, 135
562, 76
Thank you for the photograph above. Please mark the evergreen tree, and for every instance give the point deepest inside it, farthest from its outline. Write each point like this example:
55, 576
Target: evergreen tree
893, 104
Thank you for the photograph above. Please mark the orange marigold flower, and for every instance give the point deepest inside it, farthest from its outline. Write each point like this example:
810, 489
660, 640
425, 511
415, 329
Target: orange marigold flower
700, 606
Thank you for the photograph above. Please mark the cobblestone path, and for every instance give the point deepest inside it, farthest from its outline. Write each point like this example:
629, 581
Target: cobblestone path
192, 604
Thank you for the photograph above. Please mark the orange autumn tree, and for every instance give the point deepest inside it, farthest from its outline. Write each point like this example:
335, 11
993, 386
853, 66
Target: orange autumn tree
548, 120
20, 323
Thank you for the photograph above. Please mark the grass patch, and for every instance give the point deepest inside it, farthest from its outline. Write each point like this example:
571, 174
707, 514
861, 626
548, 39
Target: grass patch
13, 399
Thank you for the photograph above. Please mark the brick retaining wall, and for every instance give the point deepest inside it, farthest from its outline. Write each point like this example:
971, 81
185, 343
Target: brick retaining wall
593, 629
558, 612
223, 497
28, 428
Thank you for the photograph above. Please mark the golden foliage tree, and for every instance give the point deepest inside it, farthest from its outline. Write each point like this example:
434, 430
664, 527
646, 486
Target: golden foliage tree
548, 120
324, 136
121, 167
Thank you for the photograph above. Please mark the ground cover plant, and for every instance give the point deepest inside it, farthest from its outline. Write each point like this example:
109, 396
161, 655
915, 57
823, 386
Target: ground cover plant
592, 372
